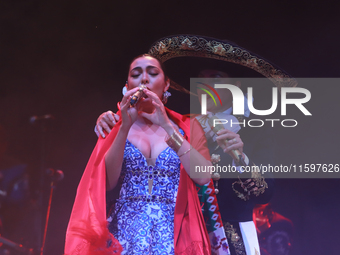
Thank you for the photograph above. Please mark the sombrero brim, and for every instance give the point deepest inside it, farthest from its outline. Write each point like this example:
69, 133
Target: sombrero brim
193, 46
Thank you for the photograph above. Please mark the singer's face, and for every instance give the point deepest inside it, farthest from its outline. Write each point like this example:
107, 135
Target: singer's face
147, 71
225, 94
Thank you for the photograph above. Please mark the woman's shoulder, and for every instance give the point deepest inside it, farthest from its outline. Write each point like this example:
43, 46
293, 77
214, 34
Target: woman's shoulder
189, 120
177, 117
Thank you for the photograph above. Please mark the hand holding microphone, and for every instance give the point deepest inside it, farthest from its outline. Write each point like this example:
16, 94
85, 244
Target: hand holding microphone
229, 141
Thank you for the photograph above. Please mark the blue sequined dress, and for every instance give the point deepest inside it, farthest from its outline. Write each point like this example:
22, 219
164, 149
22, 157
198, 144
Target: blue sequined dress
142, 219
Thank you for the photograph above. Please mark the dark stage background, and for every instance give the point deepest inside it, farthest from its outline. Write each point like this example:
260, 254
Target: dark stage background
70, 59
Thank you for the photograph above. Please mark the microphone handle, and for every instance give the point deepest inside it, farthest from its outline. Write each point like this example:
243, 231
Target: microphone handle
134, 99
236, 154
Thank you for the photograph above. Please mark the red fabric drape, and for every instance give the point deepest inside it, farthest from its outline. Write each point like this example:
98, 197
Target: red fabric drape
87, 231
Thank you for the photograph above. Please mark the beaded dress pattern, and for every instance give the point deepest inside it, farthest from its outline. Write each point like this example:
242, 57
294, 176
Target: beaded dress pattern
143, 217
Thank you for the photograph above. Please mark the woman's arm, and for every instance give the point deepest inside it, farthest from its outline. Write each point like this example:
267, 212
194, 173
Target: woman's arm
190, 157
115, 154
114, 158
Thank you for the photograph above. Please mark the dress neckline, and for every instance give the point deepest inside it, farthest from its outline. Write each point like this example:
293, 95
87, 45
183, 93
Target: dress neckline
147, 160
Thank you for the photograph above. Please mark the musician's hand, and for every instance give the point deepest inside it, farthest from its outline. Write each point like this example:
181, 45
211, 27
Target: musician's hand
229, 141
106, 121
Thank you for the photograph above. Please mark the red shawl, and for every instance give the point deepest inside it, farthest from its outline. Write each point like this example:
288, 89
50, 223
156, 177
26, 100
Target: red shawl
87, 232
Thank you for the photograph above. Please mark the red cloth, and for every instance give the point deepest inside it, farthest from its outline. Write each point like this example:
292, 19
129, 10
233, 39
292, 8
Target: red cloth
88, 218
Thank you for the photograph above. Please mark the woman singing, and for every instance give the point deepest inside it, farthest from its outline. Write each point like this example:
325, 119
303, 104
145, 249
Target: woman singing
149, 154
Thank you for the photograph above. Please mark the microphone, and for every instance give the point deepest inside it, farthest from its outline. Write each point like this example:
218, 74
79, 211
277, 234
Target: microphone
138, 95
35, 118
236, 154
55, 175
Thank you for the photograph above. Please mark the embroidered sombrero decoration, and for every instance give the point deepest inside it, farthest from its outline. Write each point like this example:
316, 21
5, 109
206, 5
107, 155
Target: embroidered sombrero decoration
210, 48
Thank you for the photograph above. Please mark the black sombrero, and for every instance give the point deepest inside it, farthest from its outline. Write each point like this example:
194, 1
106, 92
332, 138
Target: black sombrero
179, 46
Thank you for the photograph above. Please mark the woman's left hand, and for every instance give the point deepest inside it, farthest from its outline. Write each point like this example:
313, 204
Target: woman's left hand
158, 116
229, 141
